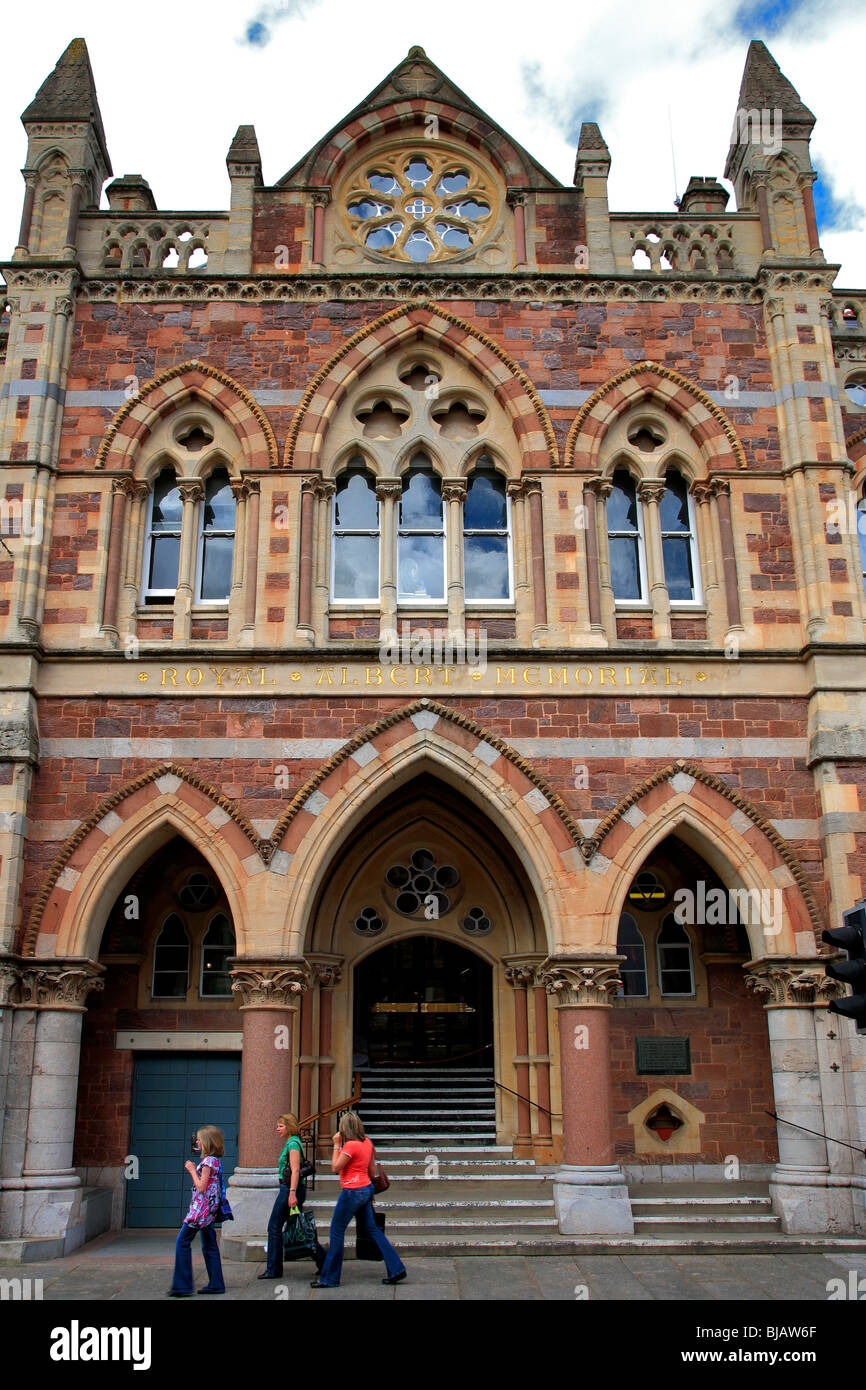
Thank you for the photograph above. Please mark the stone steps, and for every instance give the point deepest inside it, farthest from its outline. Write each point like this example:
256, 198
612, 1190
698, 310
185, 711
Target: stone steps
431, 1106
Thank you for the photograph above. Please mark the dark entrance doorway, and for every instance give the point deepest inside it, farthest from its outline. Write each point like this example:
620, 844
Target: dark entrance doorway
423, 999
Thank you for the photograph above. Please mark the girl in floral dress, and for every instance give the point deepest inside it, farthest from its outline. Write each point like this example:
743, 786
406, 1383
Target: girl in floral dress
203, 1210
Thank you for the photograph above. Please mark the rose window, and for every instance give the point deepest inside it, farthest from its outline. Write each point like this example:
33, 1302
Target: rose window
415, 207
421, 883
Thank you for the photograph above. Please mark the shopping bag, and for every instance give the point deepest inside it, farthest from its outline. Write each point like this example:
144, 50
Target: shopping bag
299, 1239
365, 1248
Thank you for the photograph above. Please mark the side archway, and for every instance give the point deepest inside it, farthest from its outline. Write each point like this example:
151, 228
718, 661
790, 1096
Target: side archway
711, 431
89, 871
136, 420
726, 831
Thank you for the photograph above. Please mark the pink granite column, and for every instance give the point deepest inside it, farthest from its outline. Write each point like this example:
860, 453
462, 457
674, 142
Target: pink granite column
252, 551
518, 203
30, 177
720, 488
589, 1190
305, 559
269, 992
536, 535
763, 213
809, 210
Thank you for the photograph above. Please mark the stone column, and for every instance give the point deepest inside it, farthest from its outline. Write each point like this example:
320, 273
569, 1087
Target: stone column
516, 490
596, 488
327, 972
269, 992
305, 560
720, 489
30, 179
650, 492
131, 585
121, 492
251, 556
539, 581
389, 492
192, 493
520, 975
543, 1137
320, 202
40, 1201
805, 181
78, 177
811, 1191
760, 184
589, 1190
518, 202
323, 493
240, 492
453, 496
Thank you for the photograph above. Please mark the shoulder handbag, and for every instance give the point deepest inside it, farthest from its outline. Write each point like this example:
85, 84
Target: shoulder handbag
381, 1181
224, 1211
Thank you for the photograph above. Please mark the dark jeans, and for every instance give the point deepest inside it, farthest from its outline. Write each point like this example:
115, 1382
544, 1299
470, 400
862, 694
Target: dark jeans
279, 1214
356, 1201
182, 1281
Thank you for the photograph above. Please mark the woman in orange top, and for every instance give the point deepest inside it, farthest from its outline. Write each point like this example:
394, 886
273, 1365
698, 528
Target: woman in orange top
353, 1158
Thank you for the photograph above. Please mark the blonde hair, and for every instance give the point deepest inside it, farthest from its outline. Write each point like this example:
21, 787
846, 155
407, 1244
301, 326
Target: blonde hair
211, 1140
291, 1123
350, 1126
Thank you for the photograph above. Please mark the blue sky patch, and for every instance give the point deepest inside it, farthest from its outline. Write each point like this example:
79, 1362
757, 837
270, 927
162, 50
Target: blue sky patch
834, 214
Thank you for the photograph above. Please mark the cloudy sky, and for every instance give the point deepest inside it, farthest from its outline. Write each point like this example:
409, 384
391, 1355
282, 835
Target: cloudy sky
174, 82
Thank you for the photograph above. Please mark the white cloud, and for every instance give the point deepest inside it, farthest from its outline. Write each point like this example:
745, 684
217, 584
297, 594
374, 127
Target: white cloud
174, 86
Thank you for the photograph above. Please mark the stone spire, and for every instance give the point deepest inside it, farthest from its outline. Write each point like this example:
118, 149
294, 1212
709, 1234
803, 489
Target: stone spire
593, 155
764, 85
244, 148
69, 94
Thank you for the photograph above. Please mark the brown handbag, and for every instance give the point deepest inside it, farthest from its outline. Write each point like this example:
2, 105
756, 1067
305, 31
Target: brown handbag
381, 1181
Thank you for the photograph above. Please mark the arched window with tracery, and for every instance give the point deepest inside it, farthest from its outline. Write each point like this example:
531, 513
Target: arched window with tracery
162, 544
171, 960
216, 540
421, 536
626, 540
487, 559
355, 537
630, 943
679, 541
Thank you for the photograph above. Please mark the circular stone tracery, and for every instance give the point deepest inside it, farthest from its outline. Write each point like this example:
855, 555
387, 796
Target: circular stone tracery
418, 207
419, 881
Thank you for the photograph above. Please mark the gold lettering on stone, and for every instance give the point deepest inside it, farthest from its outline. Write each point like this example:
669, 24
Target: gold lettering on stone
194, 670
509, 676
219, 672
372, 675
169, 671
527, 677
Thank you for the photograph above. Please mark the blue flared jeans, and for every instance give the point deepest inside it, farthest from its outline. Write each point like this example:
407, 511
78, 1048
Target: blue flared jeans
182, 1281
358, 1202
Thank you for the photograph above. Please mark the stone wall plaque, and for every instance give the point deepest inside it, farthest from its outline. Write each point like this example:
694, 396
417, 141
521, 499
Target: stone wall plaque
662, 1057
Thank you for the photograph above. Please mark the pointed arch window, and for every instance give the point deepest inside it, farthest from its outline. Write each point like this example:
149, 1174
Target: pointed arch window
162, 545
626, 541
421, 536
674, 952
487, 558
356, 538
171, 960
679, 548
630, 943
216, 539
217, 949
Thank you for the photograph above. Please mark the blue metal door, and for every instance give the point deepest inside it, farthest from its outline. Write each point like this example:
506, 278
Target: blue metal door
174, 1095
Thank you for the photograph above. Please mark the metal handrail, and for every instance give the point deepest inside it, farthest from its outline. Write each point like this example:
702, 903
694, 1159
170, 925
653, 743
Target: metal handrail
554, 1114
308, 1129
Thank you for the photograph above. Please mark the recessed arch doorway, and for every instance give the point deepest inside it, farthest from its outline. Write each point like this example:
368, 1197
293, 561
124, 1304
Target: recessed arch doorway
424, 940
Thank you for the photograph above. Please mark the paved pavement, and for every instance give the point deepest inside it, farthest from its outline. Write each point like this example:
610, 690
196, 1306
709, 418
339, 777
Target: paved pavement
138, 1264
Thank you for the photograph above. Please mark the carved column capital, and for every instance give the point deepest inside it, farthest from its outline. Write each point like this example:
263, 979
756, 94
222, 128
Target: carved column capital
791, 982
701, 490
140, 490
388, 488
240, 489
320, 197
651, 490
58, 984
191, 489
321, 488
454, 489
600, 487
578, 982
720, 487
9, 977
516, 197
122, 487
271, 984
327, 971
520, 975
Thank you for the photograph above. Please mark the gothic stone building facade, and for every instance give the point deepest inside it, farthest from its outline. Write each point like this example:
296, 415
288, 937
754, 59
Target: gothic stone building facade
433, 637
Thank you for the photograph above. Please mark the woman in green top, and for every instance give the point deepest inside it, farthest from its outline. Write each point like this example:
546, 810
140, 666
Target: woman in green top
291, 1194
